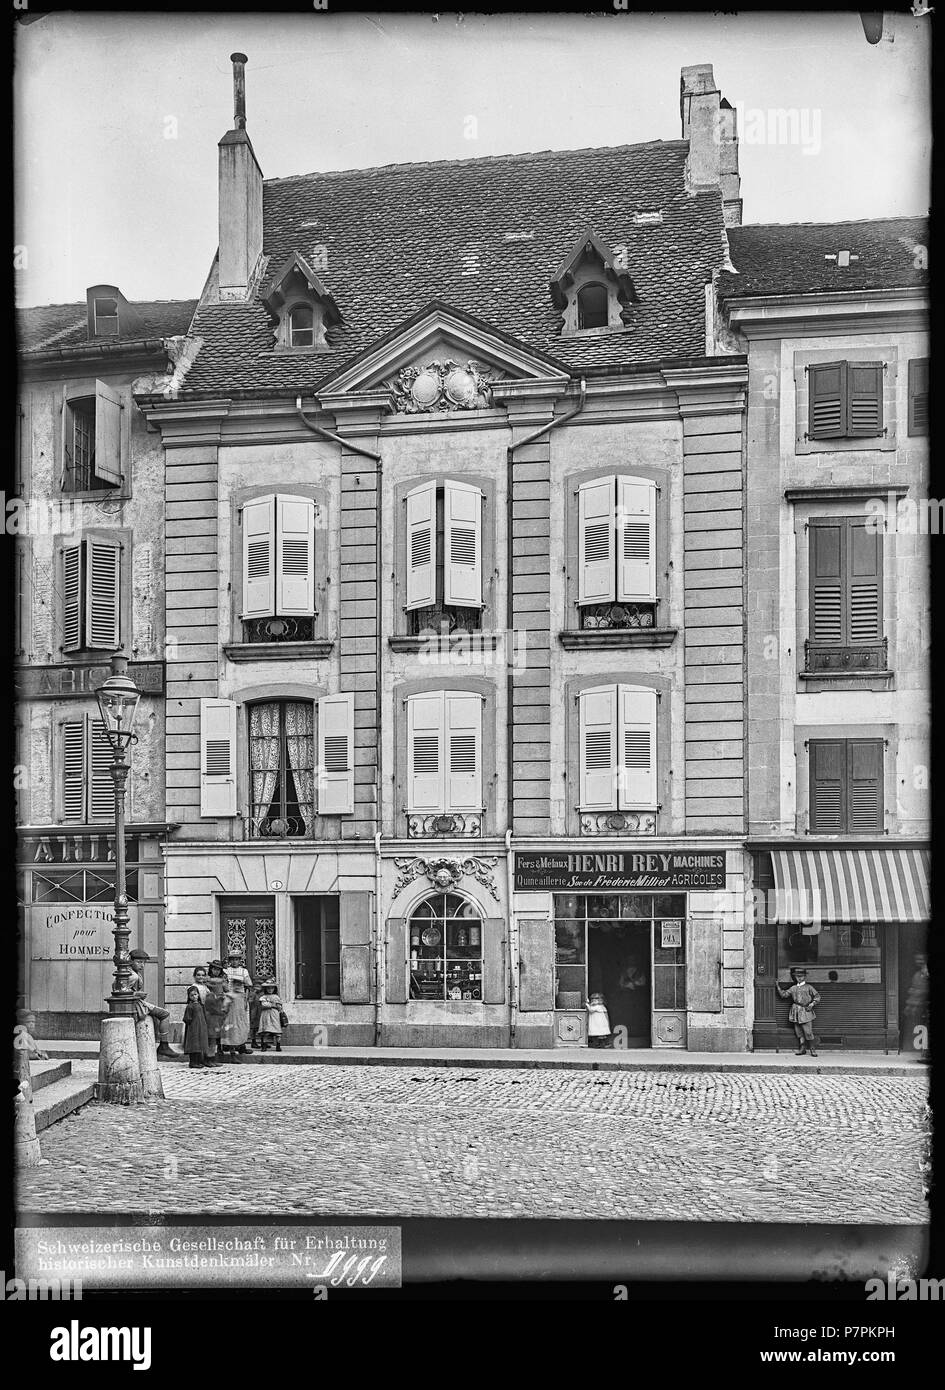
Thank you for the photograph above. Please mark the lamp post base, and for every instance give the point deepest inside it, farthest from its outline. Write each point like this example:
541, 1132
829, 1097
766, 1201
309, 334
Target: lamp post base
151, 1081
119, 1072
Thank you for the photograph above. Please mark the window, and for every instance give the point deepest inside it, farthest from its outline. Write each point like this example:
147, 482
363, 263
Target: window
617, 552
851, 948
282, 768
846, 596
446, 949
90, 589
444, 752
302, 326
444, 557
602, 945
317, 948
846, 400
88, 791
919, 395
106, 317
618, 748
279, 569
91, 440
593, 306
846, 784
92, 884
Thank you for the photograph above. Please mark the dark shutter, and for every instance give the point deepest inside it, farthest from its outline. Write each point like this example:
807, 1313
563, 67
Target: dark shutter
919, 395
396, 960
536, 941
826, 583
357, 984
827, 385
827, 784
865, 397
493, 960
864, 583
865, 784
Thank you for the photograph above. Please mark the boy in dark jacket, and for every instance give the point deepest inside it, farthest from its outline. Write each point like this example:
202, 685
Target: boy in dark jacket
803, 999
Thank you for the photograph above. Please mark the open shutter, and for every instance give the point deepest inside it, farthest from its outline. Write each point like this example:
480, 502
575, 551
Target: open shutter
637, 717
865, 583
865, 396
704, 965
827, 387
827, 784
101, 783
396, 960
462, 530
426, 782
919, 395
827, 583
536, 964
493, 960
596, 541
295, 562
66, 462
421, 546
218, 757
336, 755
103, 572
259, 583
357, 983
865, 784
463, 728
636, 539
71, 596
107, 460
73, 771
598, 748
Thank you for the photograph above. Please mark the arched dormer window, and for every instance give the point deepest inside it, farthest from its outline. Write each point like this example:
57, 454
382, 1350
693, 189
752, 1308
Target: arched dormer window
301, 307
592, 288
301, 326
593, 306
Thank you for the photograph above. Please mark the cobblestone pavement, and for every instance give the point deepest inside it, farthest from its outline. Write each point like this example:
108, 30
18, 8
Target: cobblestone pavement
349, 1140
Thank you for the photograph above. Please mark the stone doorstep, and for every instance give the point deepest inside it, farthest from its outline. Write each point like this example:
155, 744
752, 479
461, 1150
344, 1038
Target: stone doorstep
43, 1074
60, 1098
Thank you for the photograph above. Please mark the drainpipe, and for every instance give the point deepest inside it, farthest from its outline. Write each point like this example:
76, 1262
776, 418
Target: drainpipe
513, 973
378, 938
552, 424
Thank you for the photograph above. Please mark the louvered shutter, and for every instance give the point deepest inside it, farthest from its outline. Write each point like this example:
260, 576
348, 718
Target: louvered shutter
259, 581
596, 503
827, 784
295, 564
827, 387
71, 597
463, 730
865, 583
101, 784
103, 573
336, 755
426, 782
919, 395
217, 757
598, 748
107, 462
865, 397
421, 546
637, 719
73, 771
865, 784
827, 583
636, 539
462, 532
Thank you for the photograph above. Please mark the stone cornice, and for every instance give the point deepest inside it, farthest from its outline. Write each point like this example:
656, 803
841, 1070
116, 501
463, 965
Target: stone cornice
850, 311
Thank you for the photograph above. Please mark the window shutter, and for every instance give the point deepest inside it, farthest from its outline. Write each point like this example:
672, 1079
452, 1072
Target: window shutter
596, 541
107, 463
493, 960
71, 596
421, 546
827, 583
462, 510
598, 748
259, 585
919, 395
103, 571
827, 784
73, 771
357, 981
218, 757
636, 539
463, 727
101, 784
536, 968
637, 746
865, 784
295, 572
396, 960
336, 755
426, 781
865, 395
865, 583
67, 466
704, 961
827, 386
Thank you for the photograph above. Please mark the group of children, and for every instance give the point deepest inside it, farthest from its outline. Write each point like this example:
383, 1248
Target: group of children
221, 1016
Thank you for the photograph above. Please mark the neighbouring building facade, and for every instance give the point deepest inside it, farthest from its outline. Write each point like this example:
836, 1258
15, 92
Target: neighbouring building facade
88, 515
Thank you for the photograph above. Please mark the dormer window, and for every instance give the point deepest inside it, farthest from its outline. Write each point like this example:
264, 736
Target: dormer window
593, 306
592, 287
302, 326
301, 307
106, 317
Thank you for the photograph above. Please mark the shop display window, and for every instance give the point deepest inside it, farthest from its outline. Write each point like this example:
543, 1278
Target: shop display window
842, 948
81, 885
445, 949
598, 947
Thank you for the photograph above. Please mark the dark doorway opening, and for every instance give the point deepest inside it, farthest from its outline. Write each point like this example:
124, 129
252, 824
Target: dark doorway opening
619, 969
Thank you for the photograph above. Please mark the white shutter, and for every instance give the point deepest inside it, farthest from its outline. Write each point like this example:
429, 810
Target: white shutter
637, 747
101, 783
295, 564
259, 586
336, 755
73, 771
462, 532
463, 730
107, 464
421, 546
71, 597
598, 733
596, 541
102, 573
425, 761
218, 757
636, 539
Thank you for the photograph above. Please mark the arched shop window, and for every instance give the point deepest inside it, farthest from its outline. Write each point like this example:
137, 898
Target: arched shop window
445, 948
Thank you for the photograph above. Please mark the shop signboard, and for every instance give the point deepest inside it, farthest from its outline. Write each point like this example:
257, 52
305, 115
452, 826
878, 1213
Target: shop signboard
73, 931
620, 870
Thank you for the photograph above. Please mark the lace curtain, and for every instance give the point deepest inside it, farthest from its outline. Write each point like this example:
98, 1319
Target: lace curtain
300, 753
264, 760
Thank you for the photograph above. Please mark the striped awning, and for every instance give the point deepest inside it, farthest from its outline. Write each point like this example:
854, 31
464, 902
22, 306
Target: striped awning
852, 885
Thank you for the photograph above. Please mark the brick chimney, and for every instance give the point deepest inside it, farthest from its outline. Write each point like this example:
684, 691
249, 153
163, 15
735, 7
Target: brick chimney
709, 124
240, 197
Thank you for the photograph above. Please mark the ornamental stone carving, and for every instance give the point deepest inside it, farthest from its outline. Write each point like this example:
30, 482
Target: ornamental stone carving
440, 386
445, 873
619, 823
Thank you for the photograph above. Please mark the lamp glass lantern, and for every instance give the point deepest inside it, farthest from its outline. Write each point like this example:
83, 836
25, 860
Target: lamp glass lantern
118, 701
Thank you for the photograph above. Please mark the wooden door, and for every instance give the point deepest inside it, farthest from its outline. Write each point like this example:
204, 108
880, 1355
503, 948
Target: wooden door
248, 925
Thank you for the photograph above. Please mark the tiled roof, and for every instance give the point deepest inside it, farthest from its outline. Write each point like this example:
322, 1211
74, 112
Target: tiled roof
790, 258
484, 236
51, 326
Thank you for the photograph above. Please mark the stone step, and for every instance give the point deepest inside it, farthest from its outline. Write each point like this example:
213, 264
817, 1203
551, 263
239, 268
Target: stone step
43, 1074
60, 1098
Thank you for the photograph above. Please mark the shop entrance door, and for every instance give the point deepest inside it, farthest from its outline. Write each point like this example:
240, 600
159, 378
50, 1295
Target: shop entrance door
248, 925
618, 967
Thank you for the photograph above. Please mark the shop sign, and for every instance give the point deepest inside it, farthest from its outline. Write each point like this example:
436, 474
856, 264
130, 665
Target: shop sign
66, 932
74, 849
622, 869
54, 682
